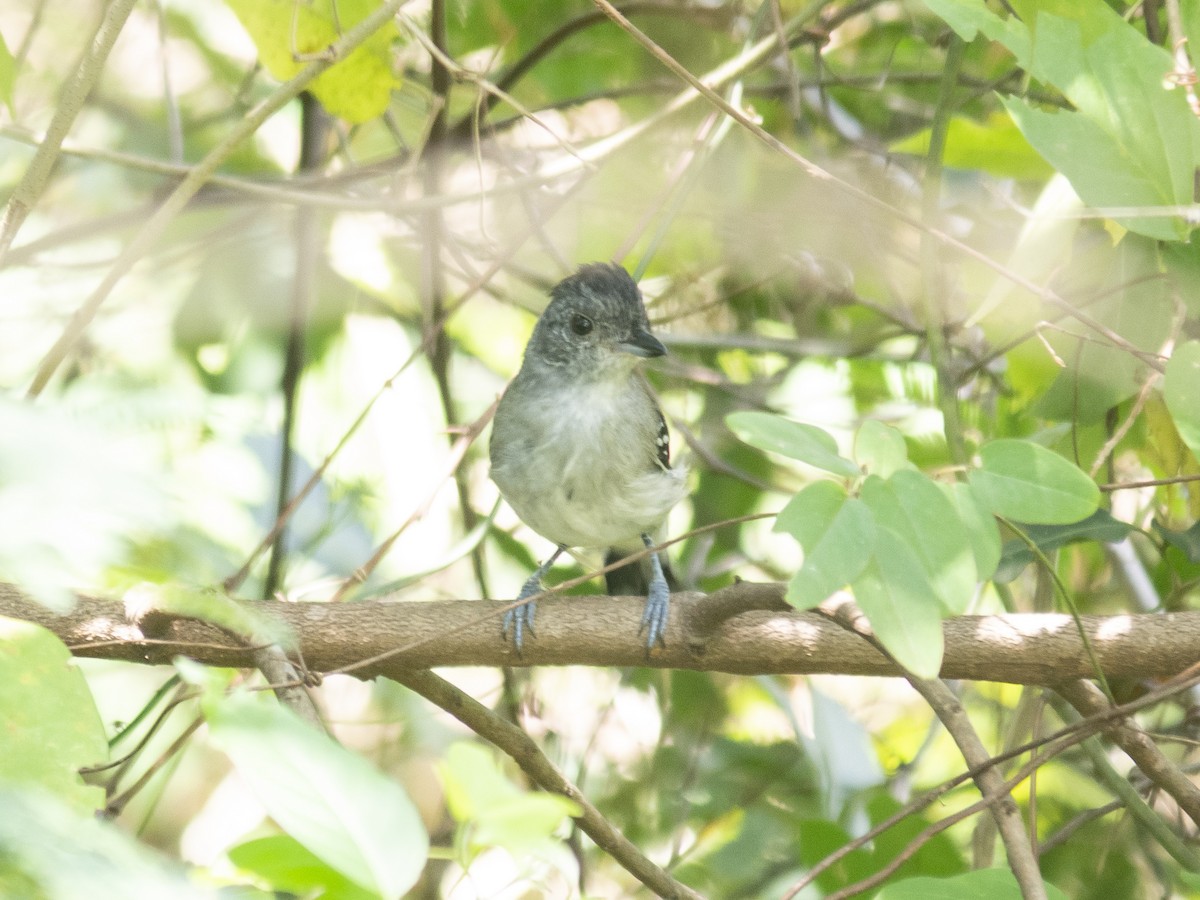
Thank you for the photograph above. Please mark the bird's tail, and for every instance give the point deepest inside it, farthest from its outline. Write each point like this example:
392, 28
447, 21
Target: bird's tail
633, 579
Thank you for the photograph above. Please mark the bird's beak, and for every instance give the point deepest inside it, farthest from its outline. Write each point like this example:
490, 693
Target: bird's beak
642, 343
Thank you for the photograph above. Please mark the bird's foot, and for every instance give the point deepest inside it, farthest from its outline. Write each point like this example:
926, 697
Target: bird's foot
654, 616
520, 618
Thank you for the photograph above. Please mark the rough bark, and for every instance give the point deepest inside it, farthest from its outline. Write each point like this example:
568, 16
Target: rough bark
373, 638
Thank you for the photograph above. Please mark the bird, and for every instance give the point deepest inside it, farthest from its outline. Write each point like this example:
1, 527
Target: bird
580, 449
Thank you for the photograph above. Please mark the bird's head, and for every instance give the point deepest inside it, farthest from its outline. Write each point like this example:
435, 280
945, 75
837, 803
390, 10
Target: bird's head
595, 326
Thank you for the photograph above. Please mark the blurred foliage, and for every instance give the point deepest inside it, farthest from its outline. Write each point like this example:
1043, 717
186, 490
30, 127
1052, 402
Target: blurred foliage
890, 356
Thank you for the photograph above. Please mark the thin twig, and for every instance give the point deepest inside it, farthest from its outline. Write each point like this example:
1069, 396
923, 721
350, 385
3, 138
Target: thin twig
234, 581
192, 183
1184, 73
1125, 733
1138, 808
702, 87
453, 460
117, 803
1048, 748
25, 195
314, 128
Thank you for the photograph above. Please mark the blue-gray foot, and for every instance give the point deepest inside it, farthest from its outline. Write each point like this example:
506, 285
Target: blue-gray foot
520, 619
658, 603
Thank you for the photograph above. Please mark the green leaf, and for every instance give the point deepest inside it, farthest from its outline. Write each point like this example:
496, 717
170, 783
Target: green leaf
8, 76
1181, 390
899, 602
913, 506
879, 449
981, 884
287, 865
1025, 482
996, 146
1102, 176
807, 443
938, 857
983, 532
498, 813
1186, 541
1127, 142
1099, 526
968, 19
1139, 308
837, 534
37, 674
359, 88
330, 800
54, 852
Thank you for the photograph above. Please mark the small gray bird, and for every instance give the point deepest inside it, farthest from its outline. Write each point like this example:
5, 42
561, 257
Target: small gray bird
580, 449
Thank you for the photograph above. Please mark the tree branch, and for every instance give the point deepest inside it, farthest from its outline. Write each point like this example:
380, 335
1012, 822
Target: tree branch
1088, 700
371, 638
988, 779
521, 747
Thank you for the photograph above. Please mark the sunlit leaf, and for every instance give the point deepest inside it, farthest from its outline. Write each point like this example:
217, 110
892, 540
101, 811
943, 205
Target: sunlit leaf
498, 813
914, 508
287, 865
879, 449
329, 799
288, 35
60, 853
70, 500
37, 674
1181, 390
837, 534
807, 443
1142, 142
8, 75
899, 602
1024, 481
983, 533
995, 146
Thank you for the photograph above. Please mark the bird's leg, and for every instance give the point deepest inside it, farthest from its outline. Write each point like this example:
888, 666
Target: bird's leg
658, 602
520, 618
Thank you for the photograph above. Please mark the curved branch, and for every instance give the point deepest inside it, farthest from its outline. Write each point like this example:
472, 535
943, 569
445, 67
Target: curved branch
371, 638
1125, 733
533, 762
989, 780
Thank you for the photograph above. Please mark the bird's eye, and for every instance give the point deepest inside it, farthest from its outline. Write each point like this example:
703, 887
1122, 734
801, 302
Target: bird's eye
581, 324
